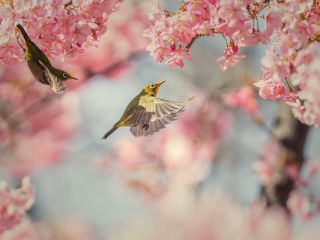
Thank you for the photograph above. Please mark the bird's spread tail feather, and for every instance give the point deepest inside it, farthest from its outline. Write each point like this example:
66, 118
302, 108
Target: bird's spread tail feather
109, 132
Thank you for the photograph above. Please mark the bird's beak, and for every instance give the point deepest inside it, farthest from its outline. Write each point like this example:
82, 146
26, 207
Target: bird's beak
72, 78
159, 83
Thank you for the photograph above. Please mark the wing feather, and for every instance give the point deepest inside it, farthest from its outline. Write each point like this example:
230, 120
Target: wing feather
155, 115
136, 117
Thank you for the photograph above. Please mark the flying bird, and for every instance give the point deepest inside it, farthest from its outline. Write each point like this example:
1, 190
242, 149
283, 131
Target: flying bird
40, 65
147, 114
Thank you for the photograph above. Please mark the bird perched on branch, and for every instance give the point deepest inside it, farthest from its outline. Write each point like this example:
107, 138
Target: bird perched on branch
147, 114
40, 65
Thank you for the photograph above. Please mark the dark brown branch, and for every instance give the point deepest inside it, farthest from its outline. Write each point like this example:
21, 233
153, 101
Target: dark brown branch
292, 135
188, 46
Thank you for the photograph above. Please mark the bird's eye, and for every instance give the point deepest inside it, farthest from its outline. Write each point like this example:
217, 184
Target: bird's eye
65, 75
152, 86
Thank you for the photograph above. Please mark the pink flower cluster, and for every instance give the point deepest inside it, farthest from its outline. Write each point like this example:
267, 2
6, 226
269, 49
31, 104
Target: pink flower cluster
59, 27
289, 68
290, 29
244, 99
304, 202
266, 166
14, 204
121, 42
230, 57
306, 107
172, 33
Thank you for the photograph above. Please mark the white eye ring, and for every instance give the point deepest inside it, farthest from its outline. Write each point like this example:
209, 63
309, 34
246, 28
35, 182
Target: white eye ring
152, 86
65, 75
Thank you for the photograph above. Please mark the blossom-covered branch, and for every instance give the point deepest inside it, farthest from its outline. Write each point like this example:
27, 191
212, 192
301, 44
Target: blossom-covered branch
290, 31
59, 27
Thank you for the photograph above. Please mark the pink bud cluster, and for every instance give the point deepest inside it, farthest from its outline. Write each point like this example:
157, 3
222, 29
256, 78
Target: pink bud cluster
59, 27
14, 204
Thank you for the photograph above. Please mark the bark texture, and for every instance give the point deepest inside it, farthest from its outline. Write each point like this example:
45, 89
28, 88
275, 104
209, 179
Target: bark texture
292, 135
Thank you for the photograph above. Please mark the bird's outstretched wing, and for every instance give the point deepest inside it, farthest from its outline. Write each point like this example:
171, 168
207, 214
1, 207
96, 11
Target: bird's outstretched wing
153, 115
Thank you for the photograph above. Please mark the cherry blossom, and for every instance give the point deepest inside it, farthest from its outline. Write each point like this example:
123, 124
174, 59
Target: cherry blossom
305, 78
170, 31
14, 203
36, 126
290, 32
119, 43
300, 205
59, 28
243, 99
303, 201
230, 57
266, 166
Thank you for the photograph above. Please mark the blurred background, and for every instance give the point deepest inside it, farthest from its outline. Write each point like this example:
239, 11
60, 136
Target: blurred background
196, 179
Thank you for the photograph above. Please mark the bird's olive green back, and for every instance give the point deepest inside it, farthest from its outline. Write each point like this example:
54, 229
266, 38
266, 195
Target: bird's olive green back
134, 103
32, 50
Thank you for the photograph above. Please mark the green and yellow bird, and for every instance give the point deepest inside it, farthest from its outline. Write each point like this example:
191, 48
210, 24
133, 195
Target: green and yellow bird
147, 114
40, 65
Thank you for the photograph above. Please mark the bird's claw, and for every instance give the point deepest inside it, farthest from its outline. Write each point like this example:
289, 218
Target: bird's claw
17, 38
145, 127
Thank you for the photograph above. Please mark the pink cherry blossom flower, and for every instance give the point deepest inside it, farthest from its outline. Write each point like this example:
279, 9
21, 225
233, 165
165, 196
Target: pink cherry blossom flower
14, 204
120, 42
273, 21
81, 33
10, 54
79, 20
306, 77
270, 90
265, 167
300, 205
243, 99
230, 57
177, 56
